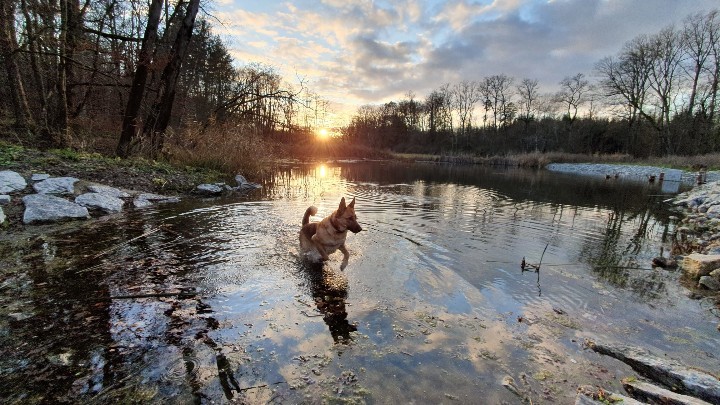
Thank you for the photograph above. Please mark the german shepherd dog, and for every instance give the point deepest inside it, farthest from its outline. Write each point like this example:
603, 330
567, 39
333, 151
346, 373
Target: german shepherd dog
328, 235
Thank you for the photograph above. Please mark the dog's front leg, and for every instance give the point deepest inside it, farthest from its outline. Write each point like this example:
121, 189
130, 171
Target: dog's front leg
346, 256
320, 248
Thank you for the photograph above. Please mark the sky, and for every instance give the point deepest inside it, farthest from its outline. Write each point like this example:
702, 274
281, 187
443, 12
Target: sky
356, 52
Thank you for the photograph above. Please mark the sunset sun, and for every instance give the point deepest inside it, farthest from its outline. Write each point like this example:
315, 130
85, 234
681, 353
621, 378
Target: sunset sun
323, 134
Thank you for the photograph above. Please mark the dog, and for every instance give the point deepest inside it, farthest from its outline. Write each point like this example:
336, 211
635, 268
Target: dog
328, 235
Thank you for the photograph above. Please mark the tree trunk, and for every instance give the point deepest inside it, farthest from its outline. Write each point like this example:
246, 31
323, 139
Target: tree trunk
137, 91
8, 49
159, 117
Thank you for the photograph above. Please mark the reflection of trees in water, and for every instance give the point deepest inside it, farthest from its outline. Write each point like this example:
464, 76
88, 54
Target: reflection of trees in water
329, 291
613, 258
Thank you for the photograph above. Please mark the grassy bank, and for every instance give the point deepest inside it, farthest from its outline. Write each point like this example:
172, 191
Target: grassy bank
539, 160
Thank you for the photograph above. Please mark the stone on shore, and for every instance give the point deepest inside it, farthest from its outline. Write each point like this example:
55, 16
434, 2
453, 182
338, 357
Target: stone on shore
2, 216
47, 208
56, 185
11, 181
244, 185
209, 189
147, 199
709, 282
4, 199
101, 202
39, 176
108, 191
685, 380
696, 265
657, 395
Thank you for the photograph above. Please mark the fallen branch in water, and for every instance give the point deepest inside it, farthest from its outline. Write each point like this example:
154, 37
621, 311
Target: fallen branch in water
261, 386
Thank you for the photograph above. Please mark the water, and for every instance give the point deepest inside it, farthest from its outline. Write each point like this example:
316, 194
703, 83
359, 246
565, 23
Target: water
212, 302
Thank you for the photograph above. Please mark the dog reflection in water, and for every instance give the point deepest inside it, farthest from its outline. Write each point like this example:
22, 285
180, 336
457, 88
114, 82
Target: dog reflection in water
329, 291
325, 237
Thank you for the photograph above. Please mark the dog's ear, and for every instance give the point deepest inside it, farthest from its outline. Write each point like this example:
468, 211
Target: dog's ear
342, 206
352, 203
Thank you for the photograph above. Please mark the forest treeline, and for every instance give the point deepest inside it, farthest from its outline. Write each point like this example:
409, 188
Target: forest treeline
150, 77
657, 96
131, 76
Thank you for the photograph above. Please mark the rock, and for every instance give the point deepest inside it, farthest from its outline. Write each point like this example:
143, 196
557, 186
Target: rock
697, 264
56, 185
665, 263
715, 274
4, 199
709, 282
509, 383
11, 181
209, 189
99, 201
656, 395
147, 199
108, 191
47, 208
684, 379
589, 395
244, 185
39, 176
2, 216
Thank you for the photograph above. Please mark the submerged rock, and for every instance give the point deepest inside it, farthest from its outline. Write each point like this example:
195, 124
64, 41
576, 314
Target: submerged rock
11, 181
47, 208
99, 201
147, 199
56, 185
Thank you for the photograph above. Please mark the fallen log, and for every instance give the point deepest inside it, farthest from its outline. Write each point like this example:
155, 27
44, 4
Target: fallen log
657, 395
671, 373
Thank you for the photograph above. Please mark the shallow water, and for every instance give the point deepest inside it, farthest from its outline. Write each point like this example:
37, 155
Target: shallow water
209, 300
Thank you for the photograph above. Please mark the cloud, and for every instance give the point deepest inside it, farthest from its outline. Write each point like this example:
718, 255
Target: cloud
365, 51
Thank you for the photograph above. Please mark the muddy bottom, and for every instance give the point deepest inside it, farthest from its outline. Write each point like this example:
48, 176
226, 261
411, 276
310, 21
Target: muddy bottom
210, 300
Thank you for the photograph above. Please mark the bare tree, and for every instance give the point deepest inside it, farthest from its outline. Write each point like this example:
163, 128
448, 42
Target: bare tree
529, 94
496, 91
666, 56
465, 96
572, 94
9, 51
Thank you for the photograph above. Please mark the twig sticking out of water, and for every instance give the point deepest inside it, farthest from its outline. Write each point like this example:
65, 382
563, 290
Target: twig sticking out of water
153, 295
533, 267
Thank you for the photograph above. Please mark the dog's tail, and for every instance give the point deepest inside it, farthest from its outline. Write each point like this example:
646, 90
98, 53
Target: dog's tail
312, 210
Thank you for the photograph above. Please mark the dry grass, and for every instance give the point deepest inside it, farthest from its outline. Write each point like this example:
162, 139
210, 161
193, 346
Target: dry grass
223, 148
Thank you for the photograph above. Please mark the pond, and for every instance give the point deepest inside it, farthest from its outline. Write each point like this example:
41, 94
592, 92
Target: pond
209, 300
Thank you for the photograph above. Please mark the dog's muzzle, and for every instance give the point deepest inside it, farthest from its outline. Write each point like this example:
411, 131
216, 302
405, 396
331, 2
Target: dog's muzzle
355, 228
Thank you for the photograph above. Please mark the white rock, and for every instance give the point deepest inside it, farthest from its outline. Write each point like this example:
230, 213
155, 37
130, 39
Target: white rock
56, 185
107, 190
4, 199
39, 176
709, 282
2, 216
209, 189
99, 201
11, 181
47, 208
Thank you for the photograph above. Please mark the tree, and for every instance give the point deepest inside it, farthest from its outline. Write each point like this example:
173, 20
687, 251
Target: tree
159, 117
529, 94
572, 94
465, 96
9, 51
137, 91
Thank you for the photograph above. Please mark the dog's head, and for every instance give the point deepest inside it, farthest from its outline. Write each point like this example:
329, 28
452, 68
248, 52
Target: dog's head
346, 218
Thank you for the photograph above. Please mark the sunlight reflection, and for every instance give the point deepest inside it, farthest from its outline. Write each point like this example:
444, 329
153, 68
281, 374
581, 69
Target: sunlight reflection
322, 171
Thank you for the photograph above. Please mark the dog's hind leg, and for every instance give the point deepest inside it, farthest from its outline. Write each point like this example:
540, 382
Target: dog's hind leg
320, 248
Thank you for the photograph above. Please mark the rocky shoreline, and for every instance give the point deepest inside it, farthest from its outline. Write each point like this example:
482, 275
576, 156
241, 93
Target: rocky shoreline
42, 199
